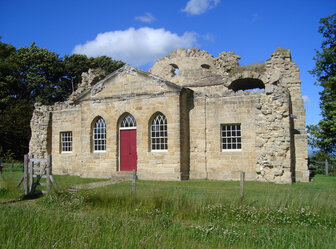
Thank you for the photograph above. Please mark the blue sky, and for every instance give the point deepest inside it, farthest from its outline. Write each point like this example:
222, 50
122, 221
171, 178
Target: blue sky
139, 32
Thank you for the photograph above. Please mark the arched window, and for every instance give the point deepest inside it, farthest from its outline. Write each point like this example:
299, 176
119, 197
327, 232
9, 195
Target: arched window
99, 135
159, 135
128, 121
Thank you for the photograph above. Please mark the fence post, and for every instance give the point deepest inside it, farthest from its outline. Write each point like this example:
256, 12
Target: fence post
30, 169
25, 174
48, 169
326, 167
242, 183
134, 180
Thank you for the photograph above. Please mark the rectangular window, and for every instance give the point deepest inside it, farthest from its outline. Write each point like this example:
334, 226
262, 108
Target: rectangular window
231, 137
66, 141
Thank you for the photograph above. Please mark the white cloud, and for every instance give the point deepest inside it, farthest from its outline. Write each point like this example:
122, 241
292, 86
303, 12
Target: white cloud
306, 99
208, 37
147, 18
136, 46
197, 7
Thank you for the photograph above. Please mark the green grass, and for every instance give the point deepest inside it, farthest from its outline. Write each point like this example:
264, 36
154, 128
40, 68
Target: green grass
10, 179
189, 214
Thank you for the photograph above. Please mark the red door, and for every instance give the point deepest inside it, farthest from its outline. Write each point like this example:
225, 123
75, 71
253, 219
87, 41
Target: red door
128, 155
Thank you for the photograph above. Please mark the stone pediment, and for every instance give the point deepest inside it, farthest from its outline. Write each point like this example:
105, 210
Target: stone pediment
126, 81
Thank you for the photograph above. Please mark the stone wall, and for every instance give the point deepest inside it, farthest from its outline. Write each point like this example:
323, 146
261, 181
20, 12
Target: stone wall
40, 123
196, 100
143, 97
208, 160
278, 70
290, 79
273, 155
264, 119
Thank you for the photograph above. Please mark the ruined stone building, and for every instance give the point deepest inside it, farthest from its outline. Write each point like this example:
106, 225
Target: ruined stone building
192, 116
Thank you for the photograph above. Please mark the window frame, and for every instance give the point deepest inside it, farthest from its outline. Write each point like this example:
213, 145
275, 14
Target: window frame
234, 132
63, 142
163, 125
103, 134
128, 123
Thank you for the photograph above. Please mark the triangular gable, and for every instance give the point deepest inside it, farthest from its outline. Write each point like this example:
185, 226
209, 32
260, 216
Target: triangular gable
128, 80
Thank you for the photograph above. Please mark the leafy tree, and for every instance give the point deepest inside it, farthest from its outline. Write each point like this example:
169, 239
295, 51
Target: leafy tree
323, 135
76, 64
38, 75
15, 127
7, 69
33, 74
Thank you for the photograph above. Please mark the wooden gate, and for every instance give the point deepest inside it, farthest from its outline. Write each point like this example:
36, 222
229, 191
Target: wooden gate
36, 169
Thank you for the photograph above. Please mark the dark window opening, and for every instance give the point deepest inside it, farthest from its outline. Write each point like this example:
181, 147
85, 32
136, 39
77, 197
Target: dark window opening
205, 66
246, 84
174, 70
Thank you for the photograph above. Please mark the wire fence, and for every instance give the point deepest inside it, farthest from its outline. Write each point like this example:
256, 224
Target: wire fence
326, 167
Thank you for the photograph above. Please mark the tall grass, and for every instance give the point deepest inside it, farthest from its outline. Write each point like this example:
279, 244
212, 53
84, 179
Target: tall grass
10, 179
190, 214
8, 183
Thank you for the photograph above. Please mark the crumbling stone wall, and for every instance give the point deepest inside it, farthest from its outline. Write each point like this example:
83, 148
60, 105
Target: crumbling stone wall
290, 79
41, 128
283, 133
89, 79
273, 136
40, 123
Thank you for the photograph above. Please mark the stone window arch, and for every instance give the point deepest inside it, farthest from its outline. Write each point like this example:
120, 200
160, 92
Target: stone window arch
246, 84
158, 132
99, 135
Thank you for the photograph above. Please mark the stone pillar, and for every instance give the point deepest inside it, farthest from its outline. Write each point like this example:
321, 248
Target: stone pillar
39, 124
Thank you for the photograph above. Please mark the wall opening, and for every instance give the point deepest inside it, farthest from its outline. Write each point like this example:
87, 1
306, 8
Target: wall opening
174, 70
246, 84
205, 66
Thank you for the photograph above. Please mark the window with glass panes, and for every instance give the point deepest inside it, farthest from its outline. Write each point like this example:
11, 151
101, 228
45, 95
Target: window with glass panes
66, 141
231, 136
159, 135
99, 135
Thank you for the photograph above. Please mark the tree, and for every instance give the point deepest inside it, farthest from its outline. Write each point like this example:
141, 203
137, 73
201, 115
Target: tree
323, 135
33, 74
76, 64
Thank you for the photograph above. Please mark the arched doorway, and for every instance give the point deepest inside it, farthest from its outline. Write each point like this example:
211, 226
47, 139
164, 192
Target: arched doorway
127, 144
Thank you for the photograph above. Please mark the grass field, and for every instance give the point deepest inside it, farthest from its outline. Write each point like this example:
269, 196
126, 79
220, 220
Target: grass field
189, 214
